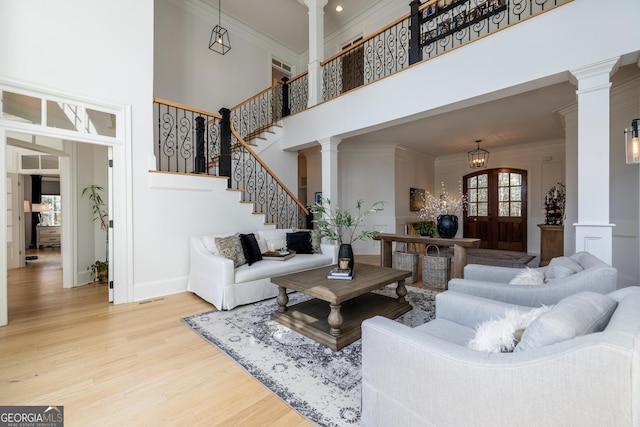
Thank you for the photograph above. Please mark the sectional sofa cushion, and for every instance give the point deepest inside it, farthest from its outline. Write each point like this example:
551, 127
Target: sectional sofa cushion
576, 315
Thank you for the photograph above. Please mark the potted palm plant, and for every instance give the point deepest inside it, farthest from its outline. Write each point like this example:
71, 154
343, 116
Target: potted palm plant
99, 269
340, 225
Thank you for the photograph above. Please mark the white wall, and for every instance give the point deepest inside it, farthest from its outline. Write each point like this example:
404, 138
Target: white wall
187, 72
413, 169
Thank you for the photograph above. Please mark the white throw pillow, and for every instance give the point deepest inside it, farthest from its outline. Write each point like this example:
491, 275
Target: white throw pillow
528, 276
275, 237
503, 334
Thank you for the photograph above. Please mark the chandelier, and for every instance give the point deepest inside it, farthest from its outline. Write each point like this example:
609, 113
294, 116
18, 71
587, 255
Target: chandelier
478, 158
219, 41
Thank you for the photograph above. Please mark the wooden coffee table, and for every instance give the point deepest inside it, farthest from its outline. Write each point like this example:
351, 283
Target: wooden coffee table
333, 317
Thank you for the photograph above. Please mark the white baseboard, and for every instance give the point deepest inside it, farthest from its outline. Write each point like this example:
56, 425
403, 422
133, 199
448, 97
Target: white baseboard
150, 290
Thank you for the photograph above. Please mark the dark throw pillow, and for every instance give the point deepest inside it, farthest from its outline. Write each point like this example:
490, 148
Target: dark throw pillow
300, 242
250, 248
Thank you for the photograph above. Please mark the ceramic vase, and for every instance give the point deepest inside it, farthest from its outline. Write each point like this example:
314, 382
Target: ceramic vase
346, 251
447, 226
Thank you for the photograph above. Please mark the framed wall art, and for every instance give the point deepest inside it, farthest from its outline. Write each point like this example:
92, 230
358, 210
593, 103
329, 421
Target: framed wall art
416, 197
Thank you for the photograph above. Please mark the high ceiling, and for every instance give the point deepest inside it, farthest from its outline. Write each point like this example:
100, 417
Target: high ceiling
295, 32
519, 119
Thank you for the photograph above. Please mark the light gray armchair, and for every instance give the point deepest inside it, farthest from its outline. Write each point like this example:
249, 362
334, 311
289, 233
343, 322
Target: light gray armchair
426, 376
493, 282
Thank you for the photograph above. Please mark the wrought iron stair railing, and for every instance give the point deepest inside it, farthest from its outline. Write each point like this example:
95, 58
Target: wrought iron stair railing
194, 141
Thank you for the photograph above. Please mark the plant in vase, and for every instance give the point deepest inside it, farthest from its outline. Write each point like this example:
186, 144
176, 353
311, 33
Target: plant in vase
425, 228
443, 210
340, 225
554, 203
99, 269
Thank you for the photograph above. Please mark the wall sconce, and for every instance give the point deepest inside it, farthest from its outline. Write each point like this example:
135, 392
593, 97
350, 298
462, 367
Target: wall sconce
219, 41
478, 158
631, 143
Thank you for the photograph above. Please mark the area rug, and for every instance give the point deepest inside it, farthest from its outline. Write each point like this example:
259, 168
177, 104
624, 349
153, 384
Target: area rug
498, 258
495, 257
320, 384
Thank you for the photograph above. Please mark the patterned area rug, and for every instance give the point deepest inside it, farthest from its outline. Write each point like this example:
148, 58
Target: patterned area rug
320, 384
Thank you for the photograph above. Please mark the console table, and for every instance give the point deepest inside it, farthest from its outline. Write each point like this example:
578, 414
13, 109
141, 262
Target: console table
551, 242
460, 246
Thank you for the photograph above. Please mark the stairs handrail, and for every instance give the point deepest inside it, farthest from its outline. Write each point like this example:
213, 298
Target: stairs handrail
186, 107
246, 146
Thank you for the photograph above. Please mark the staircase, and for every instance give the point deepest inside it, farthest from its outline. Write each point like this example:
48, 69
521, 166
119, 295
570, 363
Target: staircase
197, 142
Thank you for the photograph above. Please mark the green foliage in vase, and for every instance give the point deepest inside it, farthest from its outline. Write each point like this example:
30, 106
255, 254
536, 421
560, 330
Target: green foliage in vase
425, 228
340, 225
99, 269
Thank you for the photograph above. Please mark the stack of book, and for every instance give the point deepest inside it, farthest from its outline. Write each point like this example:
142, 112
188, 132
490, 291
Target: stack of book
340, 274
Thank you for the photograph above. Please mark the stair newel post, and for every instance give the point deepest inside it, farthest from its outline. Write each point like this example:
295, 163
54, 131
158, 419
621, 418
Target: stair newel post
200, 159
225, 144
286, 109
415, 53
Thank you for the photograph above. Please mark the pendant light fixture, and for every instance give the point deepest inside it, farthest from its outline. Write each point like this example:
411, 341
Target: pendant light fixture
219, 41
631, 143
478, 158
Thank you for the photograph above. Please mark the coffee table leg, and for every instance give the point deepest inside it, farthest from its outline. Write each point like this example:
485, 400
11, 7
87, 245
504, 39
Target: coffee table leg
282, 299
335, 320
401, 291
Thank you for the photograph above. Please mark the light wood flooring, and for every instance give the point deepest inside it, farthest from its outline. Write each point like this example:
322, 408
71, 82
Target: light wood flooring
121, 365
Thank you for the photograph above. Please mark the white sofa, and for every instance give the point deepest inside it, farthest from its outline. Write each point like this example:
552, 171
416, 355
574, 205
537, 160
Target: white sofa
214, 278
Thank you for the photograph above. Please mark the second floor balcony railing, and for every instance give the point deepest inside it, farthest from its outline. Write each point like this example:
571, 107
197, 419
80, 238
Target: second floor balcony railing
429, 30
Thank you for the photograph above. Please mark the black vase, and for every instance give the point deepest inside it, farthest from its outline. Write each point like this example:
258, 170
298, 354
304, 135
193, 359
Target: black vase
447, 226
346, 251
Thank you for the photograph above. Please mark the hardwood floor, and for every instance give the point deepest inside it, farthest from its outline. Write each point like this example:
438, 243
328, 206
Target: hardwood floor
127, 365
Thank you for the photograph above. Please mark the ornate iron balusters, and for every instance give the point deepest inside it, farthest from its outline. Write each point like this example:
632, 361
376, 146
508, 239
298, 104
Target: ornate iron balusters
180, 147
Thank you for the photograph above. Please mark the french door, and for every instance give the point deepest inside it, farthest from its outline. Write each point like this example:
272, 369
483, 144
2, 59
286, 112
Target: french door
497, 208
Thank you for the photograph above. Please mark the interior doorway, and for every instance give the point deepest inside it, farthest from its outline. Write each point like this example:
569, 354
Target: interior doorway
76, 122
497, 208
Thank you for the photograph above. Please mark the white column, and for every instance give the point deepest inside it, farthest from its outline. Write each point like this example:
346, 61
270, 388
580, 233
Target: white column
593, 230
316, 49
330, 169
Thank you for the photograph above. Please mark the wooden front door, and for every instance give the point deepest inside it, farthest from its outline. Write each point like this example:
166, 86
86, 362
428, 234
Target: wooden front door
497, 209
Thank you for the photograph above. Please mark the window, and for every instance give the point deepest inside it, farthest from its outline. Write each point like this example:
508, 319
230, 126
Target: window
509, 194
54, 215
478, 193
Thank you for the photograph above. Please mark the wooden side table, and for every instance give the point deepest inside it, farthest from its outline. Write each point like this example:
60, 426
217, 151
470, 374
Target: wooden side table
551, 242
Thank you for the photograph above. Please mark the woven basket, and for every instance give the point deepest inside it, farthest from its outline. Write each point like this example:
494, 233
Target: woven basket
407, 261
435, 268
